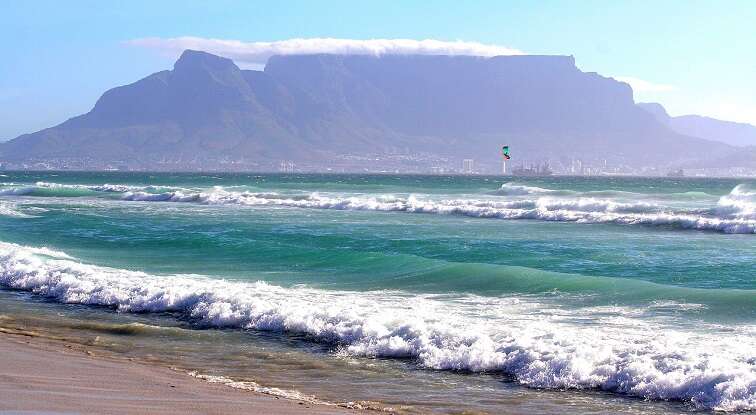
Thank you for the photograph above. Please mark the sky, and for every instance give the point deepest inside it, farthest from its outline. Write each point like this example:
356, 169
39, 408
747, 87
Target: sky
694, 57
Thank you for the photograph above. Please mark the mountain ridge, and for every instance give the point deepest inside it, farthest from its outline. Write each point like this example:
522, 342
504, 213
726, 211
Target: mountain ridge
330, 109
728, 132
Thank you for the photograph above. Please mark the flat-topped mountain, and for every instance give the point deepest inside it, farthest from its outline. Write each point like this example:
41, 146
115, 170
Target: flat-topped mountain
327, 110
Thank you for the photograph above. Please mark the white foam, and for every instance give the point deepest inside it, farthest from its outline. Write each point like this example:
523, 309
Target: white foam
6, 247
17, 191
513, 189
22, 190
734, 213
106, 188
256, 387
175, 196
10, 209
548, 208
621, 353
740, 203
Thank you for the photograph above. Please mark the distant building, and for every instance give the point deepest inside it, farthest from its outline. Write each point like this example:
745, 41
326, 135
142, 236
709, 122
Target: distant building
286, 166
467, 166
577, 167
533, 170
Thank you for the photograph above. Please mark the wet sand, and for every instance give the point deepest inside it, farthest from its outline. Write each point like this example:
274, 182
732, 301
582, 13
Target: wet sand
47, 376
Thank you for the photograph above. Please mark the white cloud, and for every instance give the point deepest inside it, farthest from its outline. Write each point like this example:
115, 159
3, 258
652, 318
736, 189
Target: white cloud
643, 86
257, 53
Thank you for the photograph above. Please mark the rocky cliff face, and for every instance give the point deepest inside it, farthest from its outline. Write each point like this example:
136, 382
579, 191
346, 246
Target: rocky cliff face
317, 107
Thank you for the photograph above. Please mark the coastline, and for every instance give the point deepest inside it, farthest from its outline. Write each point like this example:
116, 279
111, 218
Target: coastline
380, 305
47, 375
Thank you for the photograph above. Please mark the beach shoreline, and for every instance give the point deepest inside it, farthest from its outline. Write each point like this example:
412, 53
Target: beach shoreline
379, 293
47, 375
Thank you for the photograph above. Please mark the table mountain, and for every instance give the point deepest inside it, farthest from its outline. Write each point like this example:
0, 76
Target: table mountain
326, 109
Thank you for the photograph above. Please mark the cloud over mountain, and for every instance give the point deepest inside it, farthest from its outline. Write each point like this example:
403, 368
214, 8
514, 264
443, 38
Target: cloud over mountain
257, 53
342, 111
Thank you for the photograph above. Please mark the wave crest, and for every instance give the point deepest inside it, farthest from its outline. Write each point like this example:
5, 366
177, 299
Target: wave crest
579, 209
740, 203
733, 213
512, 189
479, 334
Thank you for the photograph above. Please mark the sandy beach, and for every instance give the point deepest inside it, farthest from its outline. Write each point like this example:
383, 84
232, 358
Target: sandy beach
44, 376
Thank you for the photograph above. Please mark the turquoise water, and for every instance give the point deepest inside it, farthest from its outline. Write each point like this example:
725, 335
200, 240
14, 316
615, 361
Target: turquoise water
636, 287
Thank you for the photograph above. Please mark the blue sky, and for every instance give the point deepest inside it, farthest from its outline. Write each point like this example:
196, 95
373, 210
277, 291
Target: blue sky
692, 56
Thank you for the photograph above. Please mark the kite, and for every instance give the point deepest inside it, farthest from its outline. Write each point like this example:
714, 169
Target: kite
505, 152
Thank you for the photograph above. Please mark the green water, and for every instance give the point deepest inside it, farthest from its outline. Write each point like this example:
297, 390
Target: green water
619, 285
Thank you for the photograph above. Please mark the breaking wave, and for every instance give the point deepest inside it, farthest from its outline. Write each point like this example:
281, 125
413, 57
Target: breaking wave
729, 216
17, 191
739, 203
509, 335
512, 189
733, 213
10, 209
47, 189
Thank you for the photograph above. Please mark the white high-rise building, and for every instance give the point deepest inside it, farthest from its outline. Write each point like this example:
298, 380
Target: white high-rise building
467, 165
286, 166
577, 167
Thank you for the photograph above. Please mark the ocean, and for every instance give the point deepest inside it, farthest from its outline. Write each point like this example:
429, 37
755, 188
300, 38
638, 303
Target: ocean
445, 294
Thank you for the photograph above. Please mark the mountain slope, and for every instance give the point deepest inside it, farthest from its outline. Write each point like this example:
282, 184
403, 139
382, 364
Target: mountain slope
733, 133
728, 132
320, 109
